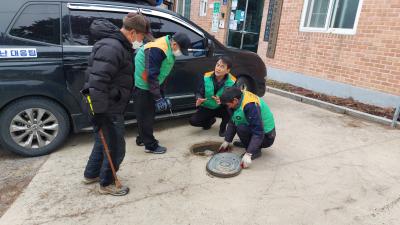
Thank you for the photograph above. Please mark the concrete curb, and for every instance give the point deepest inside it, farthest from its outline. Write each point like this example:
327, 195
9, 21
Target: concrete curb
332, 107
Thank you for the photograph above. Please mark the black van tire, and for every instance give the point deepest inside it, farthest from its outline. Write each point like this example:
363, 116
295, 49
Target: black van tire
52, 108
243, 83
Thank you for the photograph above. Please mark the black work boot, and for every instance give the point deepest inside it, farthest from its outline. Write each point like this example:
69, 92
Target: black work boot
254, 156
238, 144
211, 123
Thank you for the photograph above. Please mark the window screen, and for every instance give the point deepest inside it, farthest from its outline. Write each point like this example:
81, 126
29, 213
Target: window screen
317, 12
39, 22
344, 14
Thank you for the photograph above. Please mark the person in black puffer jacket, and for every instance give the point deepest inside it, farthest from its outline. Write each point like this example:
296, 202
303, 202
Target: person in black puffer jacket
109, 78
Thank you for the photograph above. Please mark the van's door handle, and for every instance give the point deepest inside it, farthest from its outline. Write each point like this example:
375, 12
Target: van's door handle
81, 67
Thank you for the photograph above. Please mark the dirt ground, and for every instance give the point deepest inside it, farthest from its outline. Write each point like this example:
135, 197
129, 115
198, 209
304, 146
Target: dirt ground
15, 174
387, 112
323, 168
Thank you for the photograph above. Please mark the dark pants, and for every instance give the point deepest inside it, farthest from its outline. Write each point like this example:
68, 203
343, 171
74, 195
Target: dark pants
245, 134
203, 117
145, 113
98, 164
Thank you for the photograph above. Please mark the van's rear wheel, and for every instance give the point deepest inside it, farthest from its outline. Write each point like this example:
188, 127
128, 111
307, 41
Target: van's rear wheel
33, 126
243, 83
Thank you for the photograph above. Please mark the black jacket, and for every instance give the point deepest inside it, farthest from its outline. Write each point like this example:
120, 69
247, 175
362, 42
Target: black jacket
109, 76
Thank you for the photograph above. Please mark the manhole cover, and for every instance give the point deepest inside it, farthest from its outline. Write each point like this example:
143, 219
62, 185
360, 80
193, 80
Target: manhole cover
224, 165
213, 146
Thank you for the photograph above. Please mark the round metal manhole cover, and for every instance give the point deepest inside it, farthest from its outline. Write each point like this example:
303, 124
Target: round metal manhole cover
224, 165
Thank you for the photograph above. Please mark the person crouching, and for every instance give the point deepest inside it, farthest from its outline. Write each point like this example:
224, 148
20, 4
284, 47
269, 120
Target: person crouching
251, 119
208, 95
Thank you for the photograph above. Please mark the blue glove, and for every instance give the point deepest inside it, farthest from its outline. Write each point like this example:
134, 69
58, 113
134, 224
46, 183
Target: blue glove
161, 104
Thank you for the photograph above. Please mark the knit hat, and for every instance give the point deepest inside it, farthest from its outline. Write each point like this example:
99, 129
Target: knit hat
139, 23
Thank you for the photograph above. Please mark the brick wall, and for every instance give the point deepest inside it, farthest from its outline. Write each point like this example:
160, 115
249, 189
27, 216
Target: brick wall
370, 59
205, 22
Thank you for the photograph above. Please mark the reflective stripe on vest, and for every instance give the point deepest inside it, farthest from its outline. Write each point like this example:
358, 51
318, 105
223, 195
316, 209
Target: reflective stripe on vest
210, 103
239, 117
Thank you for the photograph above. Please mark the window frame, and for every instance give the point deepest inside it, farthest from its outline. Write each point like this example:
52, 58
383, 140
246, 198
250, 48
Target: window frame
30, 40
183, 2
327, 28
203, 7
185, 27
145, 11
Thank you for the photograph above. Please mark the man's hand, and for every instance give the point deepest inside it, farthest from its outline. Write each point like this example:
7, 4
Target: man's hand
224, 147
246, 160
98, 120
161, 104
162, 92
216, 98
200, 101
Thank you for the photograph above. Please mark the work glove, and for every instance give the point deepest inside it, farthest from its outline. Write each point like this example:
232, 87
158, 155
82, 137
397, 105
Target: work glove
162, 92
224, 147
161, 104
246, 161
98, 120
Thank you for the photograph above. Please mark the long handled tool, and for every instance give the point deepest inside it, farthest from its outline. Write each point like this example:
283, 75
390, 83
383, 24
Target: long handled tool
85, 93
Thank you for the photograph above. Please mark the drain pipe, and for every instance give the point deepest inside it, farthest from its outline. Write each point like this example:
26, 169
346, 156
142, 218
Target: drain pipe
396, 115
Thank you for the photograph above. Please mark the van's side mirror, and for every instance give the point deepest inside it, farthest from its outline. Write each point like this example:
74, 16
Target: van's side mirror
210, 48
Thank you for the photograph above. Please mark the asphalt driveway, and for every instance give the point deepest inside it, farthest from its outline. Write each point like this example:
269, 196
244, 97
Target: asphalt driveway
324, 168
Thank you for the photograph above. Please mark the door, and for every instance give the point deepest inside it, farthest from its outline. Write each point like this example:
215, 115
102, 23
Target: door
78, 44
245, 24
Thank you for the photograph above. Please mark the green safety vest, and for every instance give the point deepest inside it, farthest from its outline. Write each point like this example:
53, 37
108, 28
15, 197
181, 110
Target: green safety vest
239, 117
166, 66
210, 103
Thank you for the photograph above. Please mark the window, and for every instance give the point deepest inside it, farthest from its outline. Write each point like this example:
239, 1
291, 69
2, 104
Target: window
183, 8
82, 20
203, 7
39, 22
331, 16
161, 27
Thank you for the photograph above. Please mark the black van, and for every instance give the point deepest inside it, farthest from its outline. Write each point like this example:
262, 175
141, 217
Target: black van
44, 48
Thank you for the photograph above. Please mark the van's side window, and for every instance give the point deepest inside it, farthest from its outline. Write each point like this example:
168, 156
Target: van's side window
161, 27
81, 21
39, 22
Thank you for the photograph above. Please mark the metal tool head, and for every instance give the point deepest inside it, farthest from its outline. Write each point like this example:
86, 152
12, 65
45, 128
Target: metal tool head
85, 92
224, 165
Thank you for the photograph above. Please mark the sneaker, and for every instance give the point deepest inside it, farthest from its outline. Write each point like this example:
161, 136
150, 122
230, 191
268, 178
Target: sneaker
211, 123
159, 150
238, 144
139, 142
222, 133
113, 190
255, 155
90, 180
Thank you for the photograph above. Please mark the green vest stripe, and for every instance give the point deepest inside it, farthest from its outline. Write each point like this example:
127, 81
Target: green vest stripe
210, 103
165, 69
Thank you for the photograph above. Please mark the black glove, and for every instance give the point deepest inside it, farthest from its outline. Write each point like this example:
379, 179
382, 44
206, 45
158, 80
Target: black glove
98, 120
162, 92
161, 104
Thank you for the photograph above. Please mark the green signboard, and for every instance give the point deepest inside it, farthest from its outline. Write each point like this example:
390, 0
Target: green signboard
215, 18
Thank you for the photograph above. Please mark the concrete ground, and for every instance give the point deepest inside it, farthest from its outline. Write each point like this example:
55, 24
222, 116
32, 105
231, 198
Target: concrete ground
324, 168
